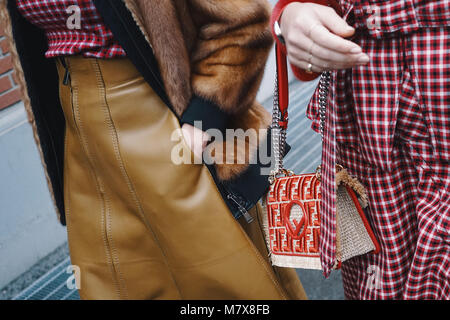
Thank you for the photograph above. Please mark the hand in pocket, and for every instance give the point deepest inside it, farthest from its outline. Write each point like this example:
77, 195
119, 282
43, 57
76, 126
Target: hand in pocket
195, 138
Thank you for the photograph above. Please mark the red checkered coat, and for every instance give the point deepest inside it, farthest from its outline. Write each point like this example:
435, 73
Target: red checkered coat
388, 123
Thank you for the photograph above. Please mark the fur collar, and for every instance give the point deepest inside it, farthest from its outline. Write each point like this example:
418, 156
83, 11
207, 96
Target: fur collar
155, 18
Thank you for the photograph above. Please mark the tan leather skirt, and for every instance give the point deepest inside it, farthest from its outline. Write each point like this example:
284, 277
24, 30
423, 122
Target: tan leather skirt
140, 226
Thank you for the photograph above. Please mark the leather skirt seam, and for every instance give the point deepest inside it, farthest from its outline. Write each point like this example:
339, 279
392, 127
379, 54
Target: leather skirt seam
114, 138
101, 89
91, 162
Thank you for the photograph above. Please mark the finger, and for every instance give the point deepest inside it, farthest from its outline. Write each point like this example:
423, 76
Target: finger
325, 38
319, 65
328, 65
335, 24
302, 64
303, 43
198, 151
326, 56
338, 57
187, 135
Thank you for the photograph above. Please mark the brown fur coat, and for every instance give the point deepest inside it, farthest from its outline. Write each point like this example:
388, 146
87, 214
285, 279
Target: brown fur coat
216, 50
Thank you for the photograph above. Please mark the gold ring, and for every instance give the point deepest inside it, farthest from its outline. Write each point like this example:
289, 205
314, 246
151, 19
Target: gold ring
309, 68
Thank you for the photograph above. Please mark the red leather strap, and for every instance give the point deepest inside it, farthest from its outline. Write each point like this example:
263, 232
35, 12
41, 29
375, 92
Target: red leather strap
283, 86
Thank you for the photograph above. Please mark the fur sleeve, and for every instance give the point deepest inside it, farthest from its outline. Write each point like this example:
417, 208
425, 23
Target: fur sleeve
228, 60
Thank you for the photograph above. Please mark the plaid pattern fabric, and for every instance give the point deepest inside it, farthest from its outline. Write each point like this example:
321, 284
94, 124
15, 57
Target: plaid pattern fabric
380, 17
93, 39
389, 124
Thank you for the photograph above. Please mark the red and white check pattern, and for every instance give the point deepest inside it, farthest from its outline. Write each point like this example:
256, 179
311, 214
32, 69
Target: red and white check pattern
93, 39
389, 124
404, 16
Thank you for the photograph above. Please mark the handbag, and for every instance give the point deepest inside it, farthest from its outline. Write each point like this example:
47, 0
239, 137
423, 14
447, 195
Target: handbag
291, 208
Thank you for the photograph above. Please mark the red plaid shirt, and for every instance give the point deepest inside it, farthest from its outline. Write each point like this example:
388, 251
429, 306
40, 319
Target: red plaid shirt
91, 39
388, 123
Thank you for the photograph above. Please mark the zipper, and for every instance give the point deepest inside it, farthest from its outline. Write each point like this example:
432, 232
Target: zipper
231, 196
66, 78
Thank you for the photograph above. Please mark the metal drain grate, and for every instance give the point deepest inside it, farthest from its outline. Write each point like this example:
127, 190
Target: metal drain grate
51, 286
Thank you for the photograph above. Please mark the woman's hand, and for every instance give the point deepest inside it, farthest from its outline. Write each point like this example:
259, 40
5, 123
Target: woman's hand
314, 34
195, 138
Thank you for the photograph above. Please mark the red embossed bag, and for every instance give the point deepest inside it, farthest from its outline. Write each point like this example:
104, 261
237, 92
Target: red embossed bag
291, 215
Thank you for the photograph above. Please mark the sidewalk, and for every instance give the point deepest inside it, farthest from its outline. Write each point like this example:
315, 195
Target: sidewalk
47, 279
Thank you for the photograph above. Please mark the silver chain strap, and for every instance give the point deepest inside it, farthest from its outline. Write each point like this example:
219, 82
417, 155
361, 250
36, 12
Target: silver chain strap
324, 89
279, 134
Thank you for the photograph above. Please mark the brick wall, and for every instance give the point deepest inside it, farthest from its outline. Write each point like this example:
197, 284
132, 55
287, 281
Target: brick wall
9, 90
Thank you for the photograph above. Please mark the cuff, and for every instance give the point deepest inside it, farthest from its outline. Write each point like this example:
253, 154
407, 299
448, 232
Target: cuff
206, 112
